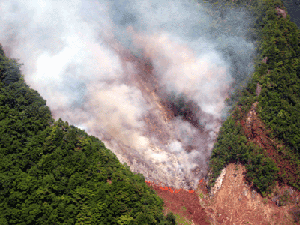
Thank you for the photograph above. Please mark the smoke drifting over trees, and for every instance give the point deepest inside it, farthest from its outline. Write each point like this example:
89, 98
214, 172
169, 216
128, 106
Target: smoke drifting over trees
149, 78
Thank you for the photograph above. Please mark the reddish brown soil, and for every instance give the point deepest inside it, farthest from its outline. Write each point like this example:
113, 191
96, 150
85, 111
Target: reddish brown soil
182, 203
256, 132
236, 202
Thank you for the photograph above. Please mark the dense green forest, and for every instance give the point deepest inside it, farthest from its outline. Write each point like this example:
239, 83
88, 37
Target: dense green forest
277, 74
54, 173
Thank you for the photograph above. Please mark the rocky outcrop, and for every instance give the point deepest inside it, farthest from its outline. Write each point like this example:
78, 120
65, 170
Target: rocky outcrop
251, 118
218, 183
237, 202
258, 89
264, 60
281, 12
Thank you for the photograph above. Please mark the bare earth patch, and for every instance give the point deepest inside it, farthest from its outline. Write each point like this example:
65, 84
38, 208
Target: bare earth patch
182, 203
232, 200
236, 203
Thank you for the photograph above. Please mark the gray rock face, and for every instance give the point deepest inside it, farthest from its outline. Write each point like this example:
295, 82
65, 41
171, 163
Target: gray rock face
253, 194
276, 200
218, 183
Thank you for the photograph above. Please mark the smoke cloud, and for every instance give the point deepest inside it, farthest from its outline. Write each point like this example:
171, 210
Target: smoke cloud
148, 77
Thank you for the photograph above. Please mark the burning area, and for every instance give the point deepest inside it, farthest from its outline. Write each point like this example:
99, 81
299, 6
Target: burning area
149, 78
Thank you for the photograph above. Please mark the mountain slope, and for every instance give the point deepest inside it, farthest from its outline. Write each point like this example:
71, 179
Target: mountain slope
54, 173
262, 131
272, 96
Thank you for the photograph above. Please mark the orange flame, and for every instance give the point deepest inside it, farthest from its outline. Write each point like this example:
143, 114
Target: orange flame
170, 189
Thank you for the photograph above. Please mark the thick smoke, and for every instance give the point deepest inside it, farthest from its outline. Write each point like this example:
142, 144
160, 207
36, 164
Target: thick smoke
148, 77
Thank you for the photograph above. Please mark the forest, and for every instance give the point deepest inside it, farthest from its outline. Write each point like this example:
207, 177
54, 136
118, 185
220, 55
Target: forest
54, 173
275, 87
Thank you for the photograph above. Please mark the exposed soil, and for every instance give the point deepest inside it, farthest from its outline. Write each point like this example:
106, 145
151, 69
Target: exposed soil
237, 203
256, 132
234, 201
182, 203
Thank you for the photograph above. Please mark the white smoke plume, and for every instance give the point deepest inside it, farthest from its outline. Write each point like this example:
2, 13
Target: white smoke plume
148, 77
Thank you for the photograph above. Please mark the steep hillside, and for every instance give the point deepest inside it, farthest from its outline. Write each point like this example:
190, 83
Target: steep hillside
54, 173
262, 133
271, 100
